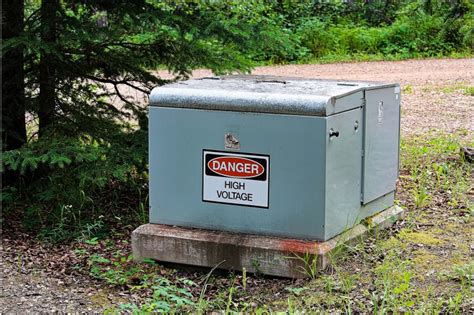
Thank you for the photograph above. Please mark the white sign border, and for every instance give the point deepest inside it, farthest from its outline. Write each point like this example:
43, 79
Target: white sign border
236, 153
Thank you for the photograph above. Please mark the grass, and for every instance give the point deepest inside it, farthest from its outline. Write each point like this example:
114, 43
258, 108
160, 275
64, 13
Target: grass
357, 57
362, 57
400, 271
421, 265
464, 89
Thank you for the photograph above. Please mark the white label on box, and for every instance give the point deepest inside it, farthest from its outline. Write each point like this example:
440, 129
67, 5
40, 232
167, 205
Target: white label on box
235, 178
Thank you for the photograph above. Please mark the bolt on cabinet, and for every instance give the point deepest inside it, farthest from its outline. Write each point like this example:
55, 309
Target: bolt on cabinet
299, 158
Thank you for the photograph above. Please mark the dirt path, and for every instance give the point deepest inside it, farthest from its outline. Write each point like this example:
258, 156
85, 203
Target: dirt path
435, 97
38, 278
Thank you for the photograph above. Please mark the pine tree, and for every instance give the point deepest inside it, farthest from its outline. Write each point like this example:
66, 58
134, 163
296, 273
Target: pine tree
13, 94
81, 55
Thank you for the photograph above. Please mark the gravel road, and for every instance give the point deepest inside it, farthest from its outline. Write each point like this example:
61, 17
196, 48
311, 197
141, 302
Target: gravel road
433, 98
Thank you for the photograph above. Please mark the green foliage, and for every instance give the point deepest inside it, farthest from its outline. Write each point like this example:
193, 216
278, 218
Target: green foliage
401, 29
464, 274
103, 49
68, 184
257, 29
469, 91
315, 36
413, 33
120, 270
393, 281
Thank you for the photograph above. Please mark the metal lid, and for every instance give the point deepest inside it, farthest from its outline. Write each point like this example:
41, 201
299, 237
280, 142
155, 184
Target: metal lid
263, 94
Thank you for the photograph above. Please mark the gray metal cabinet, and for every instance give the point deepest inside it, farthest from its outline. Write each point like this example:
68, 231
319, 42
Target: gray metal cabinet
276, 156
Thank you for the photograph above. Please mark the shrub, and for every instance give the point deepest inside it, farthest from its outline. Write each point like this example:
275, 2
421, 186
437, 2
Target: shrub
316, 37
67, 184
422, 34
417, 31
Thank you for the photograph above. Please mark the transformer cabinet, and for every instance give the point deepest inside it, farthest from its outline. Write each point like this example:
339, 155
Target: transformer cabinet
276, 156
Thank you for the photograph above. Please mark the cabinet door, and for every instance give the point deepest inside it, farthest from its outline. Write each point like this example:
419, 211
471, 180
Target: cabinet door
381, 142
343, 171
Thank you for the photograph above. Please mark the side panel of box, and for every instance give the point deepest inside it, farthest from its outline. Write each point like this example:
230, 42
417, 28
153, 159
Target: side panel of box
381, 142
343, 171
295, 145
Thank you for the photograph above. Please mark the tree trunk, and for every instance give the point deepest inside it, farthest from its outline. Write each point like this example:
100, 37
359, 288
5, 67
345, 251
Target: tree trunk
428, 7
47, 76
13, 79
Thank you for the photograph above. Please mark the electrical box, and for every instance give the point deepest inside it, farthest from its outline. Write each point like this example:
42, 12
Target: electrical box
289, 157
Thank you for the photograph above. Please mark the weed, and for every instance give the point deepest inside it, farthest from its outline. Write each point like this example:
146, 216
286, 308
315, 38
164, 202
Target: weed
464, 274
393, 282
347, 305
435, 167
454, 304
329, 283
297, 291
347, 280
256, 266
469, 91
466, 90
166, 297
407, 89
229, 299
421, 197
120, 270
441, 171
201, 302
81, 252
92, 241
290, 306
309, 264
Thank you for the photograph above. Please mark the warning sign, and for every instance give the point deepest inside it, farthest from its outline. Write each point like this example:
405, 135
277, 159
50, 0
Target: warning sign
234, 178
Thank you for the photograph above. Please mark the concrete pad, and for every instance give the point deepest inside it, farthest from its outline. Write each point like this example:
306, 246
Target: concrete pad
233, 251
385, 219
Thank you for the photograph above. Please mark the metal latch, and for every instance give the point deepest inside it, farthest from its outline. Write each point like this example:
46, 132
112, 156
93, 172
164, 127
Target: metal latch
333, 133
231, 142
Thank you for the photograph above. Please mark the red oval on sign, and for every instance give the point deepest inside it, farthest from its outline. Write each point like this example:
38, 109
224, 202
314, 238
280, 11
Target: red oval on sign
235, 167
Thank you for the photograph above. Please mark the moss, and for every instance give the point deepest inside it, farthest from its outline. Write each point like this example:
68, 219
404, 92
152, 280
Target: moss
426, 260
438, 232
392, 243
424, 238
423, 219
101, 298
458, 258
323, 298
